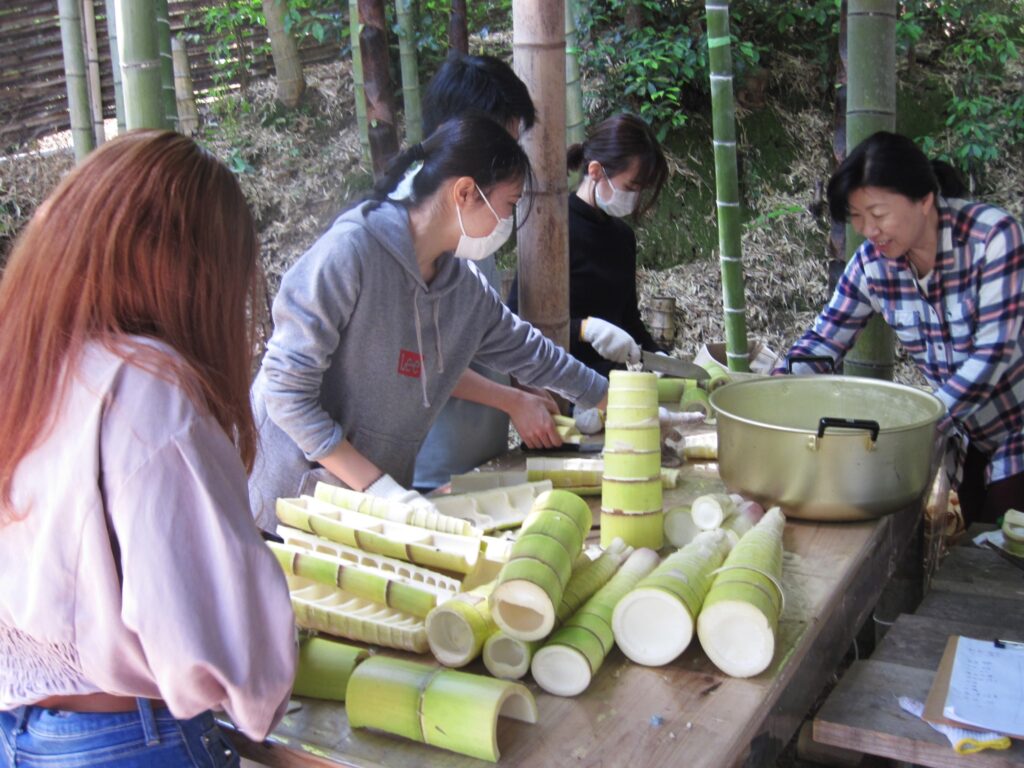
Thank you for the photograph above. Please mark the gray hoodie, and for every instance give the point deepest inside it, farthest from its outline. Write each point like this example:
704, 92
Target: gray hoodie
364, 349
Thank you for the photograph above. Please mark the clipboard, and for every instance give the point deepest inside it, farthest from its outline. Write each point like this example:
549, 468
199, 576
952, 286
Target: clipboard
935, 704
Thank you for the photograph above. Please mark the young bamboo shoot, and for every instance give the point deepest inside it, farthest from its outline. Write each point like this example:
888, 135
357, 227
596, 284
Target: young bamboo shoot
711, 510
679, 526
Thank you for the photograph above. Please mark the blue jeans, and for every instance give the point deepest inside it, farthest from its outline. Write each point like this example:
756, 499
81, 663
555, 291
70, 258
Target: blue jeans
34, 737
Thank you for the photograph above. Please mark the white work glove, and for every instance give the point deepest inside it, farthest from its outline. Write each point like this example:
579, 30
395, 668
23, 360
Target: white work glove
610, 341
385, 487
668, 419
589, 421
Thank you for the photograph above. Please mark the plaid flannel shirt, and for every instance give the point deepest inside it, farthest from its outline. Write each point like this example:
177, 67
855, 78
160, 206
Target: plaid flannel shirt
963, 329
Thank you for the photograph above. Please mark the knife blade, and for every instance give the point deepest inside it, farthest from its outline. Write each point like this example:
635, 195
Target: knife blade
673, 366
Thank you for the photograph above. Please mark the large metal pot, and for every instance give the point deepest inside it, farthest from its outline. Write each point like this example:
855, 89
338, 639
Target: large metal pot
826, 447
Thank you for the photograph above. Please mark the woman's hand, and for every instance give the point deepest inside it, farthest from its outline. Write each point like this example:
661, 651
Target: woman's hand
531, 416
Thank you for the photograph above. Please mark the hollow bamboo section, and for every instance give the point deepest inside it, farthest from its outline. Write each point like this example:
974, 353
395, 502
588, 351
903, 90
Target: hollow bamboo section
457, 629
325, 667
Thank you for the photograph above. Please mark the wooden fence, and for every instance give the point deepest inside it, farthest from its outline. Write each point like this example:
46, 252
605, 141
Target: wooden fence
33, 96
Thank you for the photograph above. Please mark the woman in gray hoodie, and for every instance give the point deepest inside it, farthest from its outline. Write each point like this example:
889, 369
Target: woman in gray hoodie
375, 323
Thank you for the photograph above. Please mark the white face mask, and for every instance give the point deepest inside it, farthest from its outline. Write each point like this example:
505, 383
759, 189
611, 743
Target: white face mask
622, 203
476, 248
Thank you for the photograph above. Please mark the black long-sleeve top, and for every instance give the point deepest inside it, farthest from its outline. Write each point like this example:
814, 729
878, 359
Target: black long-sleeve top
602, 281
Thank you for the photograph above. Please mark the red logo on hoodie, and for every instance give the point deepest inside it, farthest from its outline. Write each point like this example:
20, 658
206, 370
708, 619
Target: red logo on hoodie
409, 363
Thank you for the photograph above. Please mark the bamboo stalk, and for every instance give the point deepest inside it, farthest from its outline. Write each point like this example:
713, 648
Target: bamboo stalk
139, 55
575, 126
325, 667
93, 62
410, 71
357, 79
870, 107
730, 222
163, 39
115, 65
75, 78
188, 115
441, 707
291, 83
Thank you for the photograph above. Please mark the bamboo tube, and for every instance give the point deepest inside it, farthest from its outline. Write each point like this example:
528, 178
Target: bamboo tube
163, 39
325, 667
738, 622
1013, 531
410, 71
139, 55
359, 86
92, 55
640, 529
695, 400
188, 115
457, 629
75, 77
631, 496
870, 107
627, 464
730, 220
669, 478
441, 707
572, 655
335, 612
115, 65
531, 584
719, 376
291, 83
671, 390
394, 511
575, 126
625, 439
653, 624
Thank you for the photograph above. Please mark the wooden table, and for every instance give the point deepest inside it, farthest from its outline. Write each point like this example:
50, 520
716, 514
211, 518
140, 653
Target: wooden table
684, 713
976, 594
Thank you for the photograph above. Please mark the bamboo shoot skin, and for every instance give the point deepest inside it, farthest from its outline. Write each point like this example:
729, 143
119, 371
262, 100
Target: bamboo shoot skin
654, 622
325, 667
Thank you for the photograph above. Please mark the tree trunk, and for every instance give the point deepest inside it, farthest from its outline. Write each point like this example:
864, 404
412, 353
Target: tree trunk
92, 57
140, 64
115, 65
163, 41
75, 77
410, 71
380, 91
837, 233
730, 224
290, 81
575, 125
357, 79
538, 46
871, 106
458, 32
188, 116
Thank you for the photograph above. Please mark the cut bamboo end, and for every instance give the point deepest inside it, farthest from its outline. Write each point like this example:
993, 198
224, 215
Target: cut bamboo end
641, 530
651, 626
711, 510
628, 439
523, 608
507, 657
325, 667
695, 400
737, 636
679, 526
457, 630
562, 670
632, 496
632, 380
566, 503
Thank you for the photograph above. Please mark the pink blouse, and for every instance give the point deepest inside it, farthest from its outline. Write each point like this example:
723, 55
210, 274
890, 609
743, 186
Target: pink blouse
138, 569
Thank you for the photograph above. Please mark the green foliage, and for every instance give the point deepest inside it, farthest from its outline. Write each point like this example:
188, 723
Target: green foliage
484, 18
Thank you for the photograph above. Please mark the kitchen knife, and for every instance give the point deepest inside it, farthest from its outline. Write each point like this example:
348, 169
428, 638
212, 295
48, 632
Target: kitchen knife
684, 369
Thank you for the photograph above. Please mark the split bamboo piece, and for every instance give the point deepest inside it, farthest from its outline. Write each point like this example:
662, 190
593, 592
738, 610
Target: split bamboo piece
458, 629
359, 581
740, 617
695, 400
325, 667
530, 585
719, 377
477, 480
447, 551
335, 612
433, 705
653, 623
509, 657
572, 656
494, 509
394, 511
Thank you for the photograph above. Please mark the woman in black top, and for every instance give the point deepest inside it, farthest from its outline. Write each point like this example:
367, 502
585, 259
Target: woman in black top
623, 171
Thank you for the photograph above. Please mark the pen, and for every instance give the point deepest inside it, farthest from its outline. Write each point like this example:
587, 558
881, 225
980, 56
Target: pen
1007, 643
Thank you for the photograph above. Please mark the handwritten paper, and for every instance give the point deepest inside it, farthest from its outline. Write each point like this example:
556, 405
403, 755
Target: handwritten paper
986, 688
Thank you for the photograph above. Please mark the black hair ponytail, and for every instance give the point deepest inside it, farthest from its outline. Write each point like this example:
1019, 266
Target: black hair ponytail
951, 183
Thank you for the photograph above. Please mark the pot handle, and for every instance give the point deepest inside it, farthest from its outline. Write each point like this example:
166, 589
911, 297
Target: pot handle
810, 359
869, 424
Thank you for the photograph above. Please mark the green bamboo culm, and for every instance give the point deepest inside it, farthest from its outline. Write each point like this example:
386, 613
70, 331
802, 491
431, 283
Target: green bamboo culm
730, 224
140, 64
115, 65
870, 107
357, 79
75, 77
410, 71
163, 41
575, 125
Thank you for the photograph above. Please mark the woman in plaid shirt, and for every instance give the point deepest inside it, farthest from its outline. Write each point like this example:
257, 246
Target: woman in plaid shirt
948, 277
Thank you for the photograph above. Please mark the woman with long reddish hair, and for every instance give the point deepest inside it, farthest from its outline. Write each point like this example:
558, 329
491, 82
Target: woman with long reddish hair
135, 592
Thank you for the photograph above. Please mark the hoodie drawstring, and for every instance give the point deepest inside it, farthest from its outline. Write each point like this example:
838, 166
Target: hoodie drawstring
419, 345
437, 335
